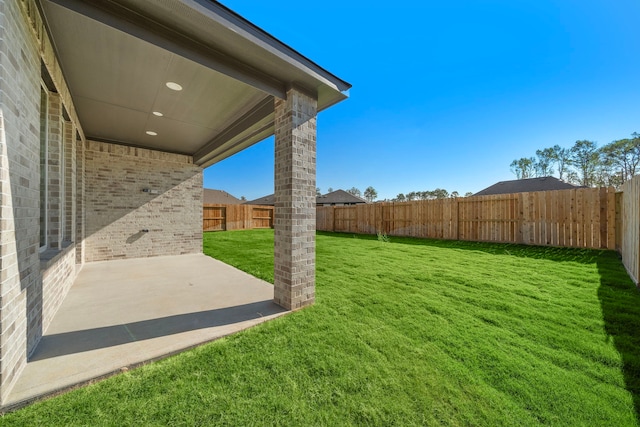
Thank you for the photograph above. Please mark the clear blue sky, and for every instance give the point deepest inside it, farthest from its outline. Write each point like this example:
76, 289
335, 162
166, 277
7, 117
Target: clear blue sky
447, 93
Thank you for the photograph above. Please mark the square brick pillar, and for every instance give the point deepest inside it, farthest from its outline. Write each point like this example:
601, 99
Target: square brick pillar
295, 200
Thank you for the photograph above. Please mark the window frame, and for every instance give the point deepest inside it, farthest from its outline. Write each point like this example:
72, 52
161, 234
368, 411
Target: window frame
44, 167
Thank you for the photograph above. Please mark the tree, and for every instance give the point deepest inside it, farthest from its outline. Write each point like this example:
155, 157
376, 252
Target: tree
544, 162
318, 193
370, 194
562, 159
440, 193
468, 194
329, 190
607, 174
572, 177
424, 195
623, 157
244, 199
523, 168
354, 191
585, 157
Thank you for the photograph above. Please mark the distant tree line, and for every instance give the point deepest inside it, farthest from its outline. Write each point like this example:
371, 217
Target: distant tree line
370, 194
438, 193
584, 163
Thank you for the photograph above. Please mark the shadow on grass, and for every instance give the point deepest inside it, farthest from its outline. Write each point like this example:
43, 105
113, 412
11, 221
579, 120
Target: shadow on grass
620, 302
552, 253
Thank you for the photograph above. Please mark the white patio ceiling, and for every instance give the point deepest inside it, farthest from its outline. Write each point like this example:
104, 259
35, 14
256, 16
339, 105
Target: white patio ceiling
118, 55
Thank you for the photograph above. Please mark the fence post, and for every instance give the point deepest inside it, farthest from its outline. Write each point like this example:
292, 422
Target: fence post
604, 217
271, 212
456, 231
611, 218
333, 219
619, 200
223, 211
520, 218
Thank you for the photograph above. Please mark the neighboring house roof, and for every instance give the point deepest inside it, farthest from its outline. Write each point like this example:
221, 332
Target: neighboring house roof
547, 183
210, 196
336, 197
223, 74
269, 200
339, 197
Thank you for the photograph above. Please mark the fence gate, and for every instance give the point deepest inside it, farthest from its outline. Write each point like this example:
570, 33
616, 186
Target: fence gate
214, 218
262, 217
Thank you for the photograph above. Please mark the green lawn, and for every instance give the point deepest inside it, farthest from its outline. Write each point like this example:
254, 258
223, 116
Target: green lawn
407, 332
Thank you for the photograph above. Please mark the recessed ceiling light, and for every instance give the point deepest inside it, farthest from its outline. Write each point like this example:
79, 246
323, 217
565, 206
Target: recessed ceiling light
174, 86
152, 133
158, 113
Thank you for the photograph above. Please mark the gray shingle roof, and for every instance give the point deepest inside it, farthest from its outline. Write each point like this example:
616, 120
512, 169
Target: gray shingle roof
338, 197
547, 183
210, 196
269, 200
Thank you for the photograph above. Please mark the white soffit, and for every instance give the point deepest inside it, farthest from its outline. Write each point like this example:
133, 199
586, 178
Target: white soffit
117, 57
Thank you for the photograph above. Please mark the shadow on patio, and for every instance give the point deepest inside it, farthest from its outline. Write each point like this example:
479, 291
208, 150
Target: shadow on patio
123, 313
55, 345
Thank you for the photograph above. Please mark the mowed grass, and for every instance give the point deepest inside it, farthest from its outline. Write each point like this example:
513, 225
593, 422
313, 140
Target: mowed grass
409, 332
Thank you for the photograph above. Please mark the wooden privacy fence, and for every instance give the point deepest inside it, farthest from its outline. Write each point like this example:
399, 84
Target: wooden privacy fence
630, 227
584, 217
217, 217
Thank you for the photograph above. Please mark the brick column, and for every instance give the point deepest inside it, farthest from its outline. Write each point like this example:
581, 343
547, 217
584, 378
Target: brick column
295, 200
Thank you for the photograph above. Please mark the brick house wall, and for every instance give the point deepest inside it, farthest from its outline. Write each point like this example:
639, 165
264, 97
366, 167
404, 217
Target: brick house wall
33, 281
120, 210
20, 278
95, 206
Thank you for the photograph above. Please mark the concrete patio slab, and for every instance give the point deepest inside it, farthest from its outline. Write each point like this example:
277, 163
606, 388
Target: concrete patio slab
120, 314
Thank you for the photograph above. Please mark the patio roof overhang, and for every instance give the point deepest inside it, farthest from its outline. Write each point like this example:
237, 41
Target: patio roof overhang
118, 55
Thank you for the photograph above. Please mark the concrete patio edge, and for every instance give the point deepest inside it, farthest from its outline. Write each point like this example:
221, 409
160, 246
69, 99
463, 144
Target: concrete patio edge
121, 315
